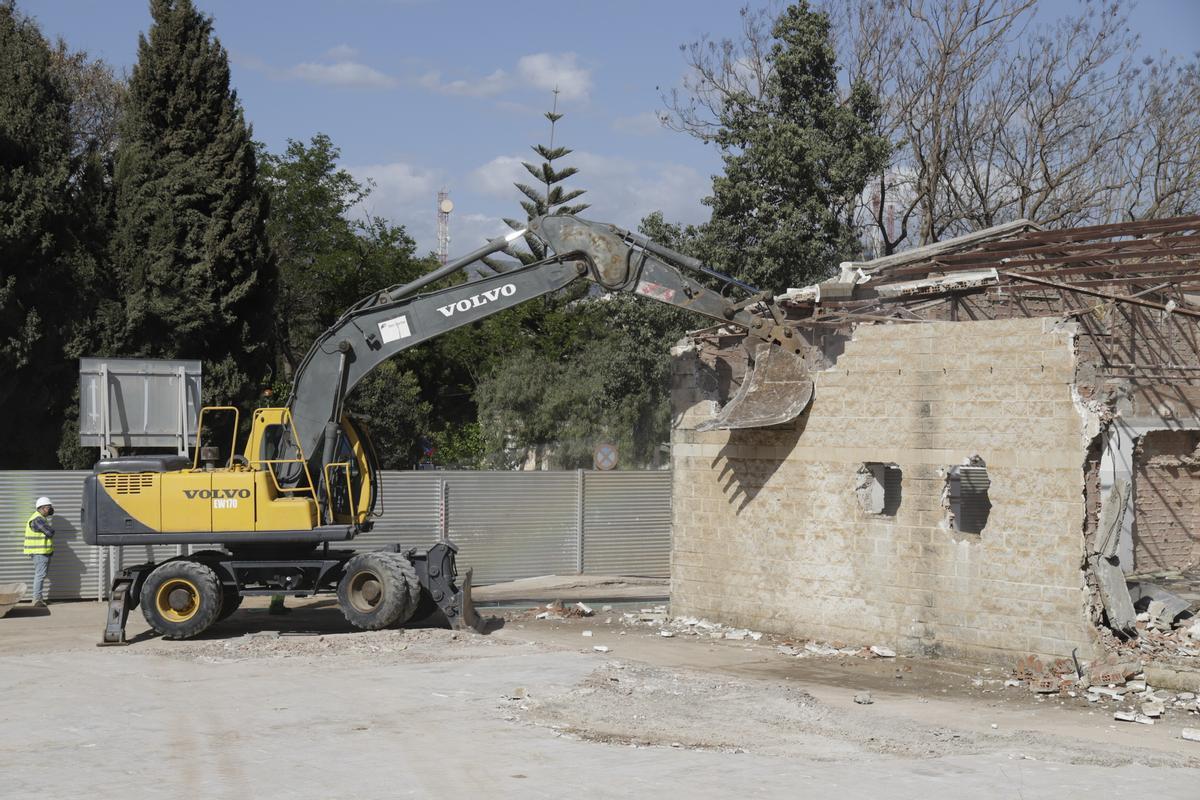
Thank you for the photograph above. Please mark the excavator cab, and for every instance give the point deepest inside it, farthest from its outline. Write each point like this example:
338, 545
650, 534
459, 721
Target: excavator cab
265, 492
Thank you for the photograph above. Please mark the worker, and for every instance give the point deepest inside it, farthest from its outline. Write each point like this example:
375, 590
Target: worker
39, 544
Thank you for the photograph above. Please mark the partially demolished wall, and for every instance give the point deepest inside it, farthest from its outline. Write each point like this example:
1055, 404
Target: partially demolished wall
981, 553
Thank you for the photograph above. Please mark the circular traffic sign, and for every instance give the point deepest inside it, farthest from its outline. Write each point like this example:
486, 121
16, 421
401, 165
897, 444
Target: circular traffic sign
605, 456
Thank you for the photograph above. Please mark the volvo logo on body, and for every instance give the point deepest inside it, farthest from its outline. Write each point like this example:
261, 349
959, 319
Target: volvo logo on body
213, 494
476, 300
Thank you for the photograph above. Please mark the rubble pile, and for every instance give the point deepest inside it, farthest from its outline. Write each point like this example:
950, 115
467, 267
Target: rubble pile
657, 617
1158, 637
1106, 681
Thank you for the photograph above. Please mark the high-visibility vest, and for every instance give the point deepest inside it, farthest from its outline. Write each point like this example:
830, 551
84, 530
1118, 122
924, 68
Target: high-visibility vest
35, 543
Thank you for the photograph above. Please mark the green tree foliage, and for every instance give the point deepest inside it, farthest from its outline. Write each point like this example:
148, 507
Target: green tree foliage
52, 208
389, 401
596, 370
190, 242
327, 262
795, 159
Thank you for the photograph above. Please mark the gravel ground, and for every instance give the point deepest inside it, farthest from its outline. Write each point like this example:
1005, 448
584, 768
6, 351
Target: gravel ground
647, 706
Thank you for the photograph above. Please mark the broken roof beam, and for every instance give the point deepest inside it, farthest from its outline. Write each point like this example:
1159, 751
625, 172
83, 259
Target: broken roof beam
1004, 260
1119, 298
1065, 235
1158, 246
970, 240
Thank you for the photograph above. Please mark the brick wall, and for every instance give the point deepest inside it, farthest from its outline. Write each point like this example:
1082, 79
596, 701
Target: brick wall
1166, 533
769, 534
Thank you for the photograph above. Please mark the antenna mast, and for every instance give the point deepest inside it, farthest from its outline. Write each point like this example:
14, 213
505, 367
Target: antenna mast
444, 207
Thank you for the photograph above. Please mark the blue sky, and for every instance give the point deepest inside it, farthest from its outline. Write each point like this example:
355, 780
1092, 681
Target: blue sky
425, 94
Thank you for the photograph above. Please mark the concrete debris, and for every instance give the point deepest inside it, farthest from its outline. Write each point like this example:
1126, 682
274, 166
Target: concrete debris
1154, 710
883, 652
1108, 691
519, 693
1013, 682
606, 608
820, 649
587, 633
543, 615
601, 648
737, 634
863, 698
1092, 697
1158, 602
1191, 734
584, 609
666, 634
1135, 686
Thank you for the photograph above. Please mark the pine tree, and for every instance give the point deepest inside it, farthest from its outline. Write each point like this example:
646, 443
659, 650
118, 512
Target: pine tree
190, 243
548, 196
794, 162
39, 213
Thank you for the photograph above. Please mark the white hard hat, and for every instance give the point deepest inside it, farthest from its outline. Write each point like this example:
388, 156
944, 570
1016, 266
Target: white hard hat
43, 501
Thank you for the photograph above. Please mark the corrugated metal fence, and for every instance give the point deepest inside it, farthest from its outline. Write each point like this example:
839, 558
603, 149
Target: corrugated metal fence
508, 525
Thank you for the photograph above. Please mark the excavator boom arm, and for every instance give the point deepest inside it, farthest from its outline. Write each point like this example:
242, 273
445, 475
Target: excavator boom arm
380, 327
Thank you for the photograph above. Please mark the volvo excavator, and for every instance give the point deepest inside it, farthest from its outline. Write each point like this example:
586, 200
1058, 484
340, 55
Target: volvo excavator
307, 477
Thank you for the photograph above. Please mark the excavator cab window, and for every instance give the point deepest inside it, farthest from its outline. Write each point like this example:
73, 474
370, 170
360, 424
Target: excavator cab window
272, 439
339, 497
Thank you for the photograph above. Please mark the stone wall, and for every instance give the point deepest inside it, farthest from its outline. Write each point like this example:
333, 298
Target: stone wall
1166, 534
769, 532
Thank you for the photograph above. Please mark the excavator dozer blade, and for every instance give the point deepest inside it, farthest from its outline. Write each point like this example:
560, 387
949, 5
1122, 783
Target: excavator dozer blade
468, 618
776, 391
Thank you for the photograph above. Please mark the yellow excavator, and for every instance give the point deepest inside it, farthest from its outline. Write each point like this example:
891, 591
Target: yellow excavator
307, 476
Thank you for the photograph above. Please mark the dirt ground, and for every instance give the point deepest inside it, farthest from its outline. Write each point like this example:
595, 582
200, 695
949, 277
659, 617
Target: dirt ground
301, 706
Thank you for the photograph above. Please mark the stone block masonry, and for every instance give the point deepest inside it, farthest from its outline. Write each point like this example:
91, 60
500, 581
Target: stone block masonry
1167, 502
769, 532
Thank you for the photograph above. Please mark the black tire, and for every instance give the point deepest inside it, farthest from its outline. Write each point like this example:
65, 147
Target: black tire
230, 601
375, 592
413, 582
181, 599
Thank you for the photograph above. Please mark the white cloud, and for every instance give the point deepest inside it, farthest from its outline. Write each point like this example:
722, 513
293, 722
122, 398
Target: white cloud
403, 194
556, 71
647, 123
623, 190
469, 231
620, 190
487, 86
497, 176
541, 71
342, 52
347, 74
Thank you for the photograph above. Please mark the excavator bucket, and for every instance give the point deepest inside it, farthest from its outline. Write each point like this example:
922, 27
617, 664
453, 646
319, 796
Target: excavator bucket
777, 390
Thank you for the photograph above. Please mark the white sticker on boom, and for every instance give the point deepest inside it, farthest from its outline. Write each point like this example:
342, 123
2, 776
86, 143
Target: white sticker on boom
395, 328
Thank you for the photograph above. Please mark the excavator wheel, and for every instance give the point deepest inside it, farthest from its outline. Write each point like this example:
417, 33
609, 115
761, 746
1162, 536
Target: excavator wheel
414, 583
376, 591
180, 599
231, 599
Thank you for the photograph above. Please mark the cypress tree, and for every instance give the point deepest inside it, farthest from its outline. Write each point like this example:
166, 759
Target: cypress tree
37, 218
190, 243
794, 162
